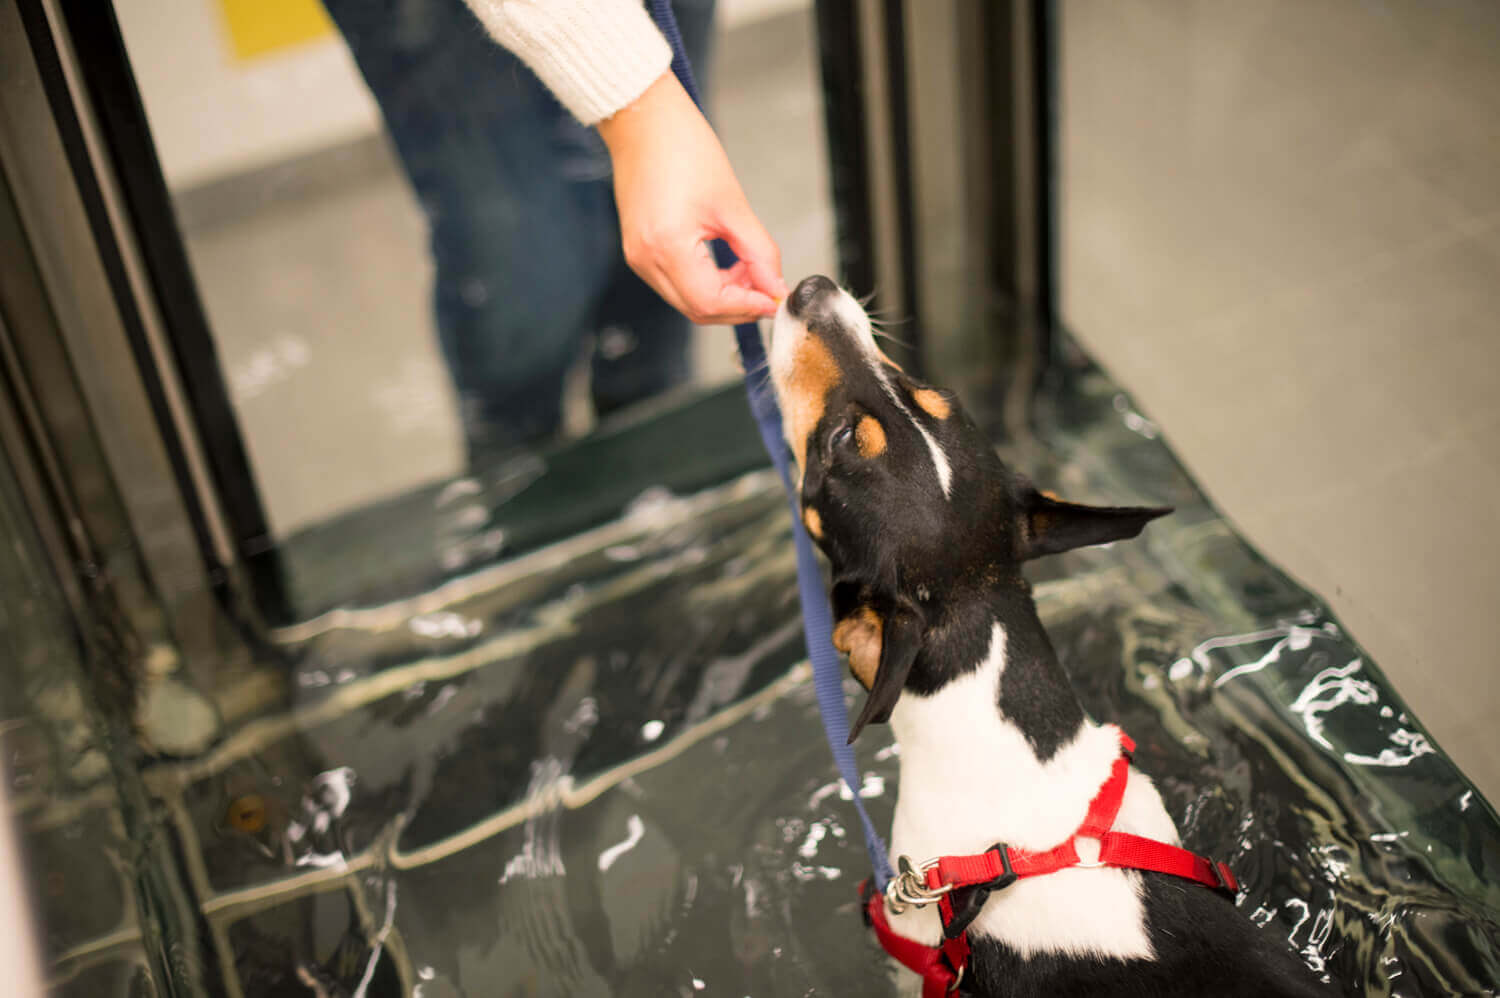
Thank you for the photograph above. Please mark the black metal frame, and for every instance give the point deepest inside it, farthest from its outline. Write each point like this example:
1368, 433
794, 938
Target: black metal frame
105, 71
848, 150
901, 165
1045, 106
1019, 78
845, 122
55, 456
1033, 84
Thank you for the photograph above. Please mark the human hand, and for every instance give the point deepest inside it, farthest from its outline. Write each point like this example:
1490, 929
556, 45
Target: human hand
675, 191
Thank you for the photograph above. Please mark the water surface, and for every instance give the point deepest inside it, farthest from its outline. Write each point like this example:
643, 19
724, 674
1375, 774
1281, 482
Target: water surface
595, 767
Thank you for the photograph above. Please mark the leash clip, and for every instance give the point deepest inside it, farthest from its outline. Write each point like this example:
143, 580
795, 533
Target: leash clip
908, 888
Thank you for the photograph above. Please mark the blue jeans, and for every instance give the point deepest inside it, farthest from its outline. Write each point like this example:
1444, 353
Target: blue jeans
525, 236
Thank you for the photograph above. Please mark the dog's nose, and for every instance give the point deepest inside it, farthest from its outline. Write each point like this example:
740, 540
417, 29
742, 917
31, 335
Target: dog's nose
808, 293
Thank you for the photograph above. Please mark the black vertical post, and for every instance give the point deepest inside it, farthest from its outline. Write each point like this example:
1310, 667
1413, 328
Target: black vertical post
902, 172
842, 68
106, 74
974, 264
1044, 109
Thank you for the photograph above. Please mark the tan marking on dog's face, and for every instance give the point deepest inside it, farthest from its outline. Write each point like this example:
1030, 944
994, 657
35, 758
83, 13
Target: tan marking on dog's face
813, 375
870, 436
813, 522
886, 360
859, 637
932, 403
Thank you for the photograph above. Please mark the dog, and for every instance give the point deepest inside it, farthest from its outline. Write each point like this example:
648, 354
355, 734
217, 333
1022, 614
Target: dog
926, 530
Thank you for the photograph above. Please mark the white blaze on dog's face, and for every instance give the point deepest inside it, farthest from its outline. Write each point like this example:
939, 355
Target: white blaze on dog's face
821, 340
879, 454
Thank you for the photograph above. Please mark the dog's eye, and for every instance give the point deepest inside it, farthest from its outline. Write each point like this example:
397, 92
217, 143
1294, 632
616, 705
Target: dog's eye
841, 435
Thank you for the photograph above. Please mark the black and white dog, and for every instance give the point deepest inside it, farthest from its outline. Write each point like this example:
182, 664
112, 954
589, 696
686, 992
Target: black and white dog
926, 530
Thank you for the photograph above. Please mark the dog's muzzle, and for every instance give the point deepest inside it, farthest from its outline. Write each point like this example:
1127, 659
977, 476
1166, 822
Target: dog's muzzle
808, 293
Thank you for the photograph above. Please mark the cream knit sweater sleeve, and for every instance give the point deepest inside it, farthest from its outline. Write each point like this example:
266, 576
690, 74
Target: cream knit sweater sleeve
595, 55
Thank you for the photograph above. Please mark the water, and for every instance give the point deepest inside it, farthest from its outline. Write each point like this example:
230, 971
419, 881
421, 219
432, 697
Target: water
596, 769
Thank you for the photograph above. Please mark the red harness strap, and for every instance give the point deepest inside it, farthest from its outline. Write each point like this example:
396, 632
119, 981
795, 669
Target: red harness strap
961, 884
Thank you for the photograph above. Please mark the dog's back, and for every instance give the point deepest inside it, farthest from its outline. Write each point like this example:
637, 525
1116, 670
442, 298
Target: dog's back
1203, 946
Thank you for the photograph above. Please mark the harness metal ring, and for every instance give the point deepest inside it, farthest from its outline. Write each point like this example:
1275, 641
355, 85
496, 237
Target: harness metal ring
1096, 862
908, 888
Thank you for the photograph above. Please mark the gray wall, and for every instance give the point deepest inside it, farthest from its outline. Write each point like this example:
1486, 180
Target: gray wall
1281, 231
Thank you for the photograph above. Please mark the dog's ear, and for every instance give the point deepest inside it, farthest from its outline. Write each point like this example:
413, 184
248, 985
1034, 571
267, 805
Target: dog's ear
900, 641
1048, 526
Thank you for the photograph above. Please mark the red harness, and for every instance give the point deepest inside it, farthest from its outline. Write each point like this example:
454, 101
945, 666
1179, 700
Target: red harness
959, 885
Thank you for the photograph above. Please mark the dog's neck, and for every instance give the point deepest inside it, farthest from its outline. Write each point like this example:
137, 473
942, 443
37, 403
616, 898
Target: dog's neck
1002, 751
997, 629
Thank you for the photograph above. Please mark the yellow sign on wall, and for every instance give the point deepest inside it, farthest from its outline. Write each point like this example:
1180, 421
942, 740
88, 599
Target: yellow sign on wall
259, 27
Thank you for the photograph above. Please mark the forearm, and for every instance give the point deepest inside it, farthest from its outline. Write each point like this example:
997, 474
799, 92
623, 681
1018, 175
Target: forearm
661, 106
597, 56
674, 188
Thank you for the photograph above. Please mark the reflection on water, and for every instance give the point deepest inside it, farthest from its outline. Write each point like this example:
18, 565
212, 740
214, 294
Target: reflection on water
596, 769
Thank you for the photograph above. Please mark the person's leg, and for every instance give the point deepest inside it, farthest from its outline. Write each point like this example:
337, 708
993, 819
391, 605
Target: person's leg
642, 345
512, 188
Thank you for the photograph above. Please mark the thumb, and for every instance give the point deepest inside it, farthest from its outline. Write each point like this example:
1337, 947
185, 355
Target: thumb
755, 247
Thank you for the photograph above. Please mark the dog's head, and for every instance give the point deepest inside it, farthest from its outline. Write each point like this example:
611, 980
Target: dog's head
902, 492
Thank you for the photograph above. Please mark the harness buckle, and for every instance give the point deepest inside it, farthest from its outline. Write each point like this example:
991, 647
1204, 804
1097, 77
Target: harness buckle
1228, 884
968, 902
908, 888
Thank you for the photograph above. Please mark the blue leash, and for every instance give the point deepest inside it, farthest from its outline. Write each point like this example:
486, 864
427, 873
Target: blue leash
817, 620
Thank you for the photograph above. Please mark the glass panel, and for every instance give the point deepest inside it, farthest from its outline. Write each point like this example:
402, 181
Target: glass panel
59, 773
409, 256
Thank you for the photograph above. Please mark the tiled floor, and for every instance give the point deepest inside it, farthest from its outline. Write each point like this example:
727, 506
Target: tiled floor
1281, 230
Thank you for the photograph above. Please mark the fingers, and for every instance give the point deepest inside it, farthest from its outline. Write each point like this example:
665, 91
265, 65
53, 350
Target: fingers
684, 273
680, 267
755, 247
709, 295
748, 290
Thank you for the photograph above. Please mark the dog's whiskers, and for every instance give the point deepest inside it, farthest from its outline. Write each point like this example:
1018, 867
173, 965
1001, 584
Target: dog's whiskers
764, 365
881, 334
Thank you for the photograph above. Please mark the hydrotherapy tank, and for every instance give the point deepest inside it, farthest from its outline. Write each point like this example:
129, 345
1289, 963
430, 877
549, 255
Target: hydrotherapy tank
541, 727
